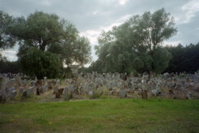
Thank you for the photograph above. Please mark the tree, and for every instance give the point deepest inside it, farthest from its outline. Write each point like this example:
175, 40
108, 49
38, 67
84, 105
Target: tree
77, 51
37, 63
49, 34
6, 39
39, 29
135, 46
184, 58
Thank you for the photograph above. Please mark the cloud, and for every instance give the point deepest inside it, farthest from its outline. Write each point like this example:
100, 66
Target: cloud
189, 10
46, 2
10, 54
171, 43
122, 2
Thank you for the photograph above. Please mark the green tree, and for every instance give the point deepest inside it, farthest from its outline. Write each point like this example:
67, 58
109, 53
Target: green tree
184, 58
135, 46
49, 34
6, 39
40, 64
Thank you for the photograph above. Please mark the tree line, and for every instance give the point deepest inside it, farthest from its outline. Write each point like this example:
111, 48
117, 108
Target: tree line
47, 41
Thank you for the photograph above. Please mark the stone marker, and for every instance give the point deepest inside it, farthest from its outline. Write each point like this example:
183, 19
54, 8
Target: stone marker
30, 91
25, 95
18, 80
122, 94
66, 95
13, 95
189, 96
144, 94
91, 94
2, 96
55, 89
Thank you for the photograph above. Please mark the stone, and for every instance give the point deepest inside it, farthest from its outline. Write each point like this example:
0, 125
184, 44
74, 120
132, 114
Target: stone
144, 94
45, 81
2, 96
59, 93
156, 92
5, 82
13, 95
189, 96
18, 80
66, 95
122, 94
25, 95
91, 94
58, 82
32, 83
30, 91
55, 90
38, 90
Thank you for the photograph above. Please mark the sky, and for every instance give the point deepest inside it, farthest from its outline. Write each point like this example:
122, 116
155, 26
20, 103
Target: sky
90, 17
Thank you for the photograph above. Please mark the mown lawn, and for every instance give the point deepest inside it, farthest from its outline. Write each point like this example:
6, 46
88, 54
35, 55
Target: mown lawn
106, 115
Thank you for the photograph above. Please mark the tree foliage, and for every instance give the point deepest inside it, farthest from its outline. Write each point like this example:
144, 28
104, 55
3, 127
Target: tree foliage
6, 38
135, 46
57, 38
184, 58
40, 64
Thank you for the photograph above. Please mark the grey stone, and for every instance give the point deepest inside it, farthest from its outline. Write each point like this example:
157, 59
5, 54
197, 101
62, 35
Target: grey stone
25, 95
21, 89
122, 94
30, 91
18, 80
55, 89
13, 95
66, 95
32, 83
2, 96
189, 96
91, 94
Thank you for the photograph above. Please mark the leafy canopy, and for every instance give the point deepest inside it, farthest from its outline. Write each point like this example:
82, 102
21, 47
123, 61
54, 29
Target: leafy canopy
135, 46
44, 37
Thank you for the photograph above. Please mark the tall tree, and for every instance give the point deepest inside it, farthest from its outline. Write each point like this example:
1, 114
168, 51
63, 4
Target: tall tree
39, 29
49, 34
6, 39
135, 46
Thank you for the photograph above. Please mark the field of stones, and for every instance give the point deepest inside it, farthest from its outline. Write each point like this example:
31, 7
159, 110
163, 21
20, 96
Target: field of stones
100, 86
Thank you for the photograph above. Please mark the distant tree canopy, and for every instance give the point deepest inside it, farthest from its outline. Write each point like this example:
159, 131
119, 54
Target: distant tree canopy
46, 41
135, 46
184, 58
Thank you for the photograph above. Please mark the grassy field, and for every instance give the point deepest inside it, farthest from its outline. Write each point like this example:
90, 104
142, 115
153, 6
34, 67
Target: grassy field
105, 115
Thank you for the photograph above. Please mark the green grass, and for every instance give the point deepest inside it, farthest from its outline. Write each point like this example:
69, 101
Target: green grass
105, 115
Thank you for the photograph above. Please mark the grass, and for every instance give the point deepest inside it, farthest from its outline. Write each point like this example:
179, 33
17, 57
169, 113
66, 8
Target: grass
105, 115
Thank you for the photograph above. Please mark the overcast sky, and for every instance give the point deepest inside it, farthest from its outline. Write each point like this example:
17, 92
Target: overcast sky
92, 16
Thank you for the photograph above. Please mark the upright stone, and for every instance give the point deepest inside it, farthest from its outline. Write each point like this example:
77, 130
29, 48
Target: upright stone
2, 96
144, 94
66, 95
30, 91
18, 80
13, 95
91, 94
55, 90
21, 89
25, 95
45, 81
122, 94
